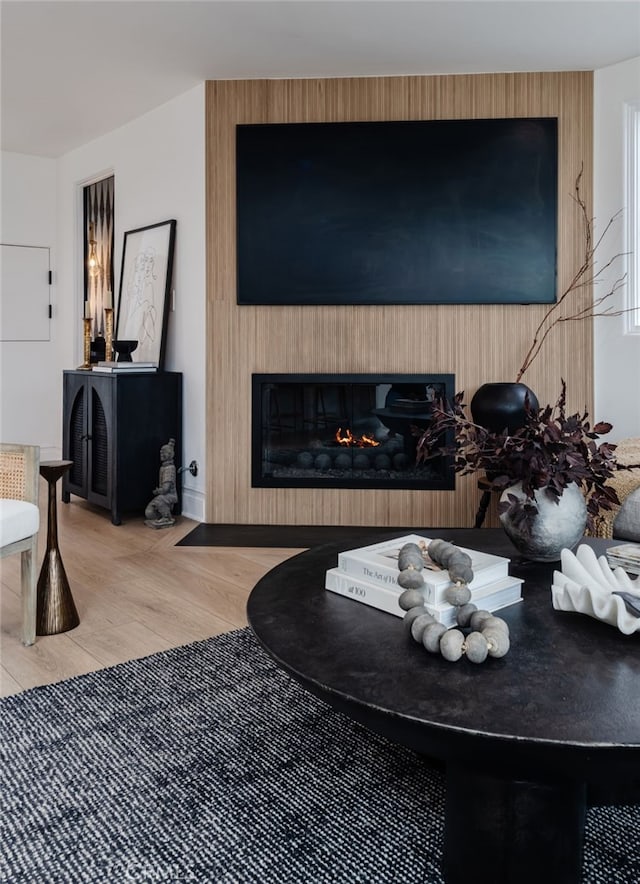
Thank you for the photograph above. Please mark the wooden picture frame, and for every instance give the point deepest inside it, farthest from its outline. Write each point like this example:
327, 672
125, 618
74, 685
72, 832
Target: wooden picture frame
145, 284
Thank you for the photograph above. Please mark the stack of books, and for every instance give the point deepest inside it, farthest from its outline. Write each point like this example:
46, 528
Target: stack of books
123, 367
370, 575
625, 556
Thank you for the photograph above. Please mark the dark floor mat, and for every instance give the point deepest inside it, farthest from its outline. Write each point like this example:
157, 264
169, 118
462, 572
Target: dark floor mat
287, 536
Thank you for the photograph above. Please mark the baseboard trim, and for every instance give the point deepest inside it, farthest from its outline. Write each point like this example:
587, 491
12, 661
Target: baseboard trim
193, 504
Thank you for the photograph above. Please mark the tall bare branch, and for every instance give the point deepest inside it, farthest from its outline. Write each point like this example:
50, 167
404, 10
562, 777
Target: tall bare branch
585, 276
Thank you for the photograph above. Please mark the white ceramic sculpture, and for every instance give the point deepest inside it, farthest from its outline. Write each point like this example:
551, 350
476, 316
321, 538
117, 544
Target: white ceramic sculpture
587, 585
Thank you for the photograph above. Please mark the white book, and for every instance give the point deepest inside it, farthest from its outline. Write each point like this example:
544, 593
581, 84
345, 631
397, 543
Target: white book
114, 363
498, 595
378, 563
135, 369
625, 556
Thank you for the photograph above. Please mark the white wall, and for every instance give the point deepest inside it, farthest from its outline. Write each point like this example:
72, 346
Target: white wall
29, 403
617, 354
158, 163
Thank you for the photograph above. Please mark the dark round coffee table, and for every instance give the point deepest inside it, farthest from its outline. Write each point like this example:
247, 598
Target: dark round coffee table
520, 737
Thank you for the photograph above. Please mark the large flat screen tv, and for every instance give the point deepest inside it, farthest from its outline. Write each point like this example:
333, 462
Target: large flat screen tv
411, 212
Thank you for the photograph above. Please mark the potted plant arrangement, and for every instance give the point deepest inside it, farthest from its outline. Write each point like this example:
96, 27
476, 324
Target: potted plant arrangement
551, 471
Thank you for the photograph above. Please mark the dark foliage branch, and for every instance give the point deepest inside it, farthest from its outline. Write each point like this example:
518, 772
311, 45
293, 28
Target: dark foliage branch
551, 451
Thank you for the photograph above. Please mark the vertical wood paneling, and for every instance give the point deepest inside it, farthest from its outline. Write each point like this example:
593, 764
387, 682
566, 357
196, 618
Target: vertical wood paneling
477, 344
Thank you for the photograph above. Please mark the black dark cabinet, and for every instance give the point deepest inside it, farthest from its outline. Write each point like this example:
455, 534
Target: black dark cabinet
113, 428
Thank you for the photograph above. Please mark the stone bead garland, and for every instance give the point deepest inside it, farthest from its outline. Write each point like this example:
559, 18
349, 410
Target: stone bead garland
488, 636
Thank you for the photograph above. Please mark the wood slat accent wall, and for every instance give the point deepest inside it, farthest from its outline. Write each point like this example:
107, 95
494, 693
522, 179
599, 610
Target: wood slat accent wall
477, 343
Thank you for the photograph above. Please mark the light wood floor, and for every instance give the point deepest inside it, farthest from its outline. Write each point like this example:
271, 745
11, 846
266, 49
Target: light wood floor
136, 593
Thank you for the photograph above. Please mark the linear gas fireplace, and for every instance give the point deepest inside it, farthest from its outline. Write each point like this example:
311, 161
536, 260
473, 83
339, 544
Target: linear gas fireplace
345, 431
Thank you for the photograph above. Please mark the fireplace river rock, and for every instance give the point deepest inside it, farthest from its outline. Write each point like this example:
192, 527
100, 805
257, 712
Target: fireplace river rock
336, 459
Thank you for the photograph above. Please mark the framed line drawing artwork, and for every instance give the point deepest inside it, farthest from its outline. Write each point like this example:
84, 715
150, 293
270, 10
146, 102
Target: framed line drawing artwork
145, 284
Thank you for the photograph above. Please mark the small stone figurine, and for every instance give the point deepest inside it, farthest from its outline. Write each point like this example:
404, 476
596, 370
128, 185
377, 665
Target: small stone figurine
158, 511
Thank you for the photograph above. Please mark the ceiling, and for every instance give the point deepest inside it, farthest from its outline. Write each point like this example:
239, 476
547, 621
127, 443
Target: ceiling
72, 71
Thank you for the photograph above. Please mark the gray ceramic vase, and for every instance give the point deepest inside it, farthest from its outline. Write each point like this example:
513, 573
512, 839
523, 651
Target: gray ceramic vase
557, 526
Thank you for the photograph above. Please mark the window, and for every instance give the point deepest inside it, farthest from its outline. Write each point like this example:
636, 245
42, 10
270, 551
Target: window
632, 215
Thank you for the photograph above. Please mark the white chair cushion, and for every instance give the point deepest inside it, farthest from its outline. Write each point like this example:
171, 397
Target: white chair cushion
18, 519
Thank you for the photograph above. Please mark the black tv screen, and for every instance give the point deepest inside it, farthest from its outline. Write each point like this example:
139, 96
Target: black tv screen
411, 212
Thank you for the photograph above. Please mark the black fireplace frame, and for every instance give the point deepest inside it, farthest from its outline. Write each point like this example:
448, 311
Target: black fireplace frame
444, 482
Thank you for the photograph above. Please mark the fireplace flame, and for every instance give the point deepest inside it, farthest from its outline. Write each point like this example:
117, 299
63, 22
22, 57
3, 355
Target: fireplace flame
351, 441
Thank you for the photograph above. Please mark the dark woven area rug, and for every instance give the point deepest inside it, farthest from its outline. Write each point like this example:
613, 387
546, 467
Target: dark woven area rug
207, 763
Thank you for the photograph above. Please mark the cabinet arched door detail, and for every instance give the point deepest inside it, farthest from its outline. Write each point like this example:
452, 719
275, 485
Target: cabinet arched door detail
99, 445
86, 432
113, 428
76, 426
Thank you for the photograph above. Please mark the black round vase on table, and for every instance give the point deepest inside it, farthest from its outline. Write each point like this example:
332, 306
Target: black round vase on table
500, 405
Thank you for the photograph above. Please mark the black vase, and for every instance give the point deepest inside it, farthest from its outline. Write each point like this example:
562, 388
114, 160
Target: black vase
501, 406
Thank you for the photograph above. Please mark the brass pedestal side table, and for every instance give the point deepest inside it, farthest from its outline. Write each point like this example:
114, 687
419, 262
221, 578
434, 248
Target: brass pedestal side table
56, 610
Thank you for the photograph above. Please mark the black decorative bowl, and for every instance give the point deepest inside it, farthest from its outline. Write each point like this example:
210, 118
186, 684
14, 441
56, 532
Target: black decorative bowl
124, 349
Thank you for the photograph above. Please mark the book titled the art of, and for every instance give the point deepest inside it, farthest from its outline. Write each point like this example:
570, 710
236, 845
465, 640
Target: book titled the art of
377, 564
492, 597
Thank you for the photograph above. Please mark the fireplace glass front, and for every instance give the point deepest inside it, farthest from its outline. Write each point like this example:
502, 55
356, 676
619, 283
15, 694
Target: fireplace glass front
346, 431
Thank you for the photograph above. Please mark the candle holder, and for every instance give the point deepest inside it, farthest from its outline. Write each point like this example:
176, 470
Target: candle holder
86, 365
108, 333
